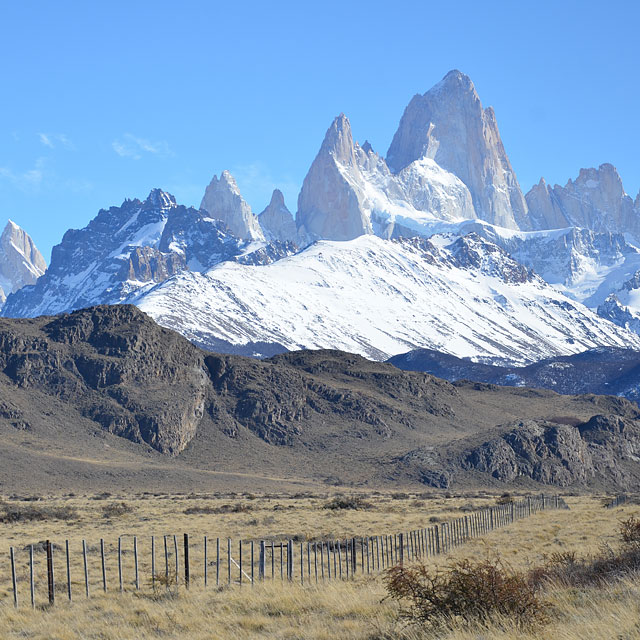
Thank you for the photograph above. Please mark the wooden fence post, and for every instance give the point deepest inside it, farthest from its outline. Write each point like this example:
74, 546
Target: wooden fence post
153, 563
86, 567
205, 561
135, 558
104, 572
175, 554
31, 578
262, 561
14, 582
50, 578
401, 549
66, 543
186, 561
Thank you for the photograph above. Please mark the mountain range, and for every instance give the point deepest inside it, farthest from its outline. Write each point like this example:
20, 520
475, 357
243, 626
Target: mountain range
432, 246
105, 399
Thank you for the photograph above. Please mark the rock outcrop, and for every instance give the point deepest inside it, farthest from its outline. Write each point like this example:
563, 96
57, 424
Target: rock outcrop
20, 261
596, 200
449, 125
223, 201
277, 222
561, 454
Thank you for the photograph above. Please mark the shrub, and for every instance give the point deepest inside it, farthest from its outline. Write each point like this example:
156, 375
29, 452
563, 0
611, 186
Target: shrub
347, 502
225, 508
11, 513
505, 498
116, 509
630, 532
465, 590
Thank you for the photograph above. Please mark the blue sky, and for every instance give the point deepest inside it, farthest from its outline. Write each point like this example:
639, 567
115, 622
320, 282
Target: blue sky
103, 101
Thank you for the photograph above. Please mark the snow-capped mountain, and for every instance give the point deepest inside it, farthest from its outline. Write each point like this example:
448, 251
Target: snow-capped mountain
376, 297
122, 250
596, 200
350, 191
449, 125
369, 281
20, 261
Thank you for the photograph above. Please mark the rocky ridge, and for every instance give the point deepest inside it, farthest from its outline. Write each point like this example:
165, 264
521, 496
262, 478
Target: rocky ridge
74, 388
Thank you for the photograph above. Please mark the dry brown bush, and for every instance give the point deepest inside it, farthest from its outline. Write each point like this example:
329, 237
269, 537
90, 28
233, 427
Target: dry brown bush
465, 590
347, 502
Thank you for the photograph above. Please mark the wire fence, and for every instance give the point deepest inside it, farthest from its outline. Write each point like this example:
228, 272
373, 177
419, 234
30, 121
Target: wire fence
171, 561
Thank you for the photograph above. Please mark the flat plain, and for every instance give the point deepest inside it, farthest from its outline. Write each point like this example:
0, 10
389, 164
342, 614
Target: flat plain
354, 609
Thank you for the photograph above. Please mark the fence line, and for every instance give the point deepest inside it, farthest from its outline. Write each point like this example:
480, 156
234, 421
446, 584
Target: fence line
616, 502
314, 563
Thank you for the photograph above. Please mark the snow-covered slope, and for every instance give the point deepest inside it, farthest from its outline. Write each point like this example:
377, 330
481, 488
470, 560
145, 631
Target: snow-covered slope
20, 261
121, 250
376, 297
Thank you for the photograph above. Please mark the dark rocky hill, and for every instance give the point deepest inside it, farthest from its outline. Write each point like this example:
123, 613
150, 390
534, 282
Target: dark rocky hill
105, 398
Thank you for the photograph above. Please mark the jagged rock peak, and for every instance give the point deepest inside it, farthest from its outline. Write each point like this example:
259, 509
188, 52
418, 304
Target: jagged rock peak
160, 198
367, 148
448, 124
328, 205
20, 261
276, 220
338, 141
222, 201
595, 200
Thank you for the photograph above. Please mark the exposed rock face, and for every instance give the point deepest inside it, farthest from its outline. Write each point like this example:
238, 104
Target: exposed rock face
20, 261
596, 201
328, 206
222, 200
561, 454
349, 191
586, 263
276, 220
66, 380
613, 311
449, 125
123, 250
117, 367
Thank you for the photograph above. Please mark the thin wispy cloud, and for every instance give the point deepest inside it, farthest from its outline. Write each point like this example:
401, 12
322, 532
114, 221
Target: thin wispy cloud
130, 146
28, 180
53, 140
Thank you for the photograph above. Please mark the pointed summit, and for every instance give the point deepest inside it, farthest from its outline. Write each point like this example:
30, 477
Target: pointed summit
448, 124
338, 141
158, 198
20, 261
328, 205
595, 200
222, 201
276, 220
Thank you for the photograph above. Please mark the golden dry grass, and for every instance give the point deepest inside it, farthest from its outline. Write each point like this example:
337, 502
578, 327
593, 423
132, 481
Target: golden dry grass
349, 610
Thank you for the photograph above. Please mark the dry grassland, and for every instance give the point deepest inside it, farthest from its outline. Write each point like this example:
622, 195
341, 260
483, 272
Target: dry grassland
346, 610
